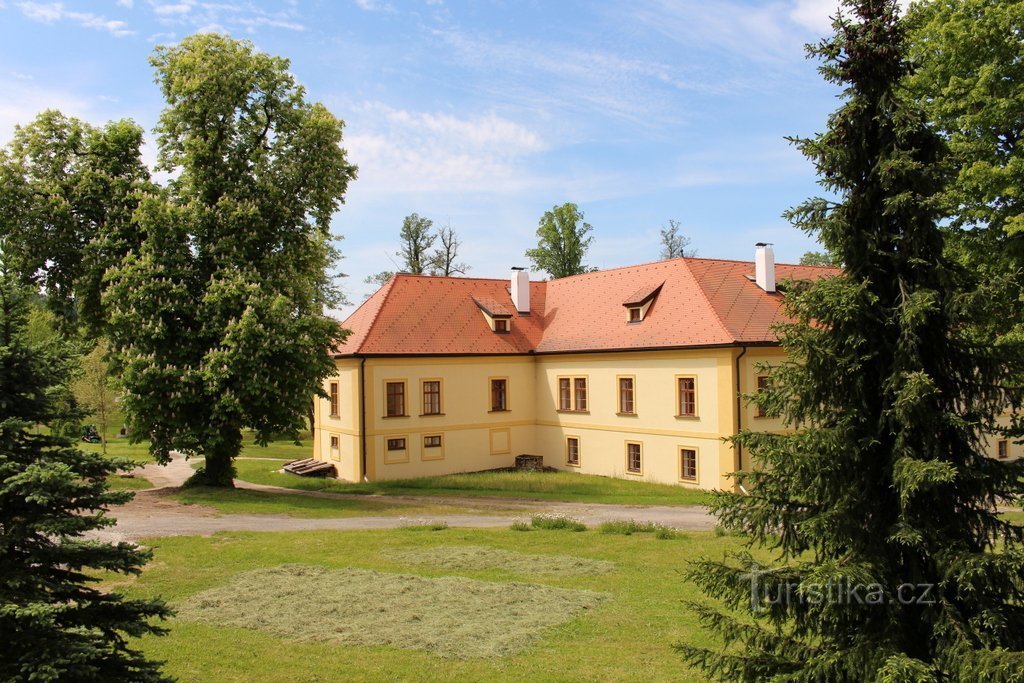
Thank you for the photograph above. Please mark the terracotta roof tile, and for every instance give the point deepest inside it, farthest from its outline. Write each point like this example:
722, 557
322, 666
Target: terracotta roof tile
703, 302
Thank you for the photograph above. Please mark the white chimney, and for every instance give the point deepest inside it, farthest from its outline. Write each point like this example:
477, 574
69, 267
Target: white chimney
521, 290
764, 267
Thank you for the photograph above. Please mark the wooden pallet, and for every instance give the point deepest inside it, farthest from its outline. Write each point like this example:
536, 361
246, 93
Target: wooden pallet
310, 468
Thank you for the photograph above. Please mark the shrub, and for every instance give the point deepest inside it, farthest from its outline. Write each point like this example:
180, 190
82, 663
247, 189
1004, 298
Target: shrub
557, 522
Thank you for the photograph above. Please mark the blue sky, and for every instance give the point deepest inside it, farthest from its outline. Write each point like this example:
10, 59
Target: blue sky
486, 114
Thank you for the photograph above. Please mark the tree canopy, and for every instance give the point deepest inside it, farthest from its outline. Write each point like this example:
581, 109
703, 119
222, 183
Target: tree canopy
217, 320
562, 242
57, 625
892, 563
674, 244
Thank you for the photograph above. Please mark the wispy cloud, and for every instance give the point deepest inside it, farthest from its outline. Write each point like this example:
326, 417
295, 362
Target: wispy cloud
23, 100
398, 150
375, 6
126, 3
53, 12
224, 16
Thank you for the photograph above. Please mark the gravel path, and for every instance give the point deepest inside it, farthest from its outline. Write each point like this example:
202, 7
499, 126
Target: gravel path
154, 513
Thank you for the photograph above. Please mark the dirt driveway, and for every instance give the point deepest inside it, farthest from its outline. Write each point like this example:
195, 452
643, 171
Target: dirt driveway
154, 513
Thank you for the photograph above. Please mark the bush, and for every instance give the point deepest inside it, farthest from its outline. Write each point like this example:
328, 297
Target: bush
631, 526
520, 525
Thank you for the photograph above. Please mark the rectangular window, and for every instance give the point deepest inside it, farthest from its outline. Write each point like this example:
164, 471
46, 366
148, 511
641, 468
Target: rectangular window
687, 397
763, 383
1003, 449
687, 464
432, 441
626, 406
335, 444
580, 393
396, 444
432, 397
634, 314
634, 458
395, 399
334, 399
564, 393
499, 395
572, 451
500, 325
335, 449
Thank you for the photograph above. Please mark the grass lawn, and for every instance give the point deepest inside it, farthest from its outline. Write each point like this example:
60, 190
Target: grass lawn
454, 604
248, 502
563, 486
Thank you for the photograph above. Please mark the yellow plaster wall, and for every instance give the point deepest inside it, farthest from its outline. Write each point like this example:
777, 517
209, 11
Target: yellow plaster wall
469, 430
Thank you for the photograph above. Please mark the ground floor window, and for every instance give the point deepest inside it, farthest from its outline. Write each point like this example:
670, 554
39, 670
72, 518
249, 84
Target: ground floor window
634, 458
687, 464
1003, 449
432, 441
396, 444
572, 451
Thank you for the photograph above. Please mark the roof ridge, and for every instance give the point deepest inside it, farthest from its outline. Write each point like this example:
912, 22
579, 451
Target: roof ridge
383, 291
711, 306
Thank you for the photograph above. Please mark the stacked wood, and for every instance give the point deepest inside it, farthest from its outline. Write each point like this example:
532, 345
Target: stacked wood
310, 468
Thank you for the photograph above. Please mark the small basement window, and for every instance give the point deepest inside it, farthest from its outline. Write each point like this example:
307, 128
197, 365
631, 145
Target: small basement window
432, 441
396, 444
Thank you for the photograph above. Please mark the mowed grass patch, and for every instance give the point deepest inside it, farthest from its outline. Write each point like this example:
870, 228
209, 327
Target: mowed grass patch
252, 502
449, 616
478, 558
631, 526
562, 486
133, 483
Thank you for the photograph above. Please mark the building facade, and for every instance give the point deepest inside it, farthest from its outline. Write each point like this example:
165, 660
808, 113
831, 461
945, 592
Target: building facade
632, 372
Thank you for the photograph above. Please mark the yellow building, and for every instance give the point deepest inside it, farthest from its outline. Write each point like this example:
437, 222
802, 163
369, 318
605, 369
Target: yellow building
632, 372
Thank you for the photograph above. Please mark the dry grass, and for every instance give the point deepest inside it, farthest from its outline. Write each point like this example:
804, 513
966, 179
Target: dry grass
452, 617
482, 558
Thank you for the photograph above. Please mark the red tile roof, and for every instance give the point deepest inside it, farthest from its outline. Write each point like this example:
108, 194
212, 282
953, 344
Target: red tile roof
702, 302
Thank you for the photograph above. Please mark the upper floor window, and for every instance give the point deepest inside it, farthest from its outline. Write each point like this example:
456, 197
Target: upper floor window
635, 314
501, 325
1003, 449
627, 405
432, 397
572, 394
334, 399
395, 403
499, 395
686, 394
764, 382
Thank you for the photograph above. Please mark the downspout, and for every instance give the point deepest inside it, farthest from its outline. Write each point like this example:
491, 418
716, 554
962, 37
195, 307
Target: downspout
362, 416
739, 414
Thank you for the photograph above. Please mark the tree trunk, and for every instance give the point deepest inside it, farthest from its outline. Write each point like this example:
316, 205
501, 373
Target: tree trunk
222, 448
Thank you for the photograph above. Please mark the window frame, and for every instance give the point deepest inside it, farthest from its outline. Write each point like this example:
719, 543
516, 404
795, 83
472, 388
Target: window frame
574, 406
506, 402
333, 400
632, 398
423, 396
679, 397
502, 325
432, 452
392, 454
405, 402
696, 465
334, 447
568, 460
1002, 449
564, 401
635, 315
640, 458
762, 381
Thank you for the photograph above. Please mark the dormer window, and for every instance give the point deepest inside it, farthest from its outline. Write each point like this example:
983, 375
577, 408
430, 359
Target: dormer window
497, 314
639, 303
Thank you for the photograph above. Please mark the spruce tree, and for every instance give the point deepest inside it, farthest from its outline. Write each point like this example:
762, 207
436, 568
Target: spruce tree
878, 502
57, 625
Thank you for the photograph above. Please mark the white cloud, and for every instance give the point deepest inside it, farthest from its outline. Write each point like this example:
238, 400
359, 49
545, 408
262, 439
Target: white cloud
126, 3
22, 101
374, 6
816, 15
53, 12
165, 9
405, 151
224, 17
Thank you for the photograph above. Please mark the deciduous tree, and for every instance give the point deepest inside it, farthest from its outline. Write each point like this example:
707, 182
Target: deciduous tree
94, 388
217, 321
416, 237
444, 260
562, 242
57, 625
674, 244
892, 562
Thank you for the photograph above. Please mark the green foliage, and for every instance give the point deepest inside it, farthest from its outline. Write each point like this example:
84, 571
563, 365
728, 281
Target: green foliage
882, 479
631, 526
57, 624
94, 389
416, 238
68, 191
553, 522
217, 320
819, 258
520, 525
674, 244
562, 242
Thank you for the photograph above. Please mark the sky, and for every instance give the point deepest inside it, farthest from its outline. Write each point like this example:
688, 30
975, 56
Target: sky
484, 115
